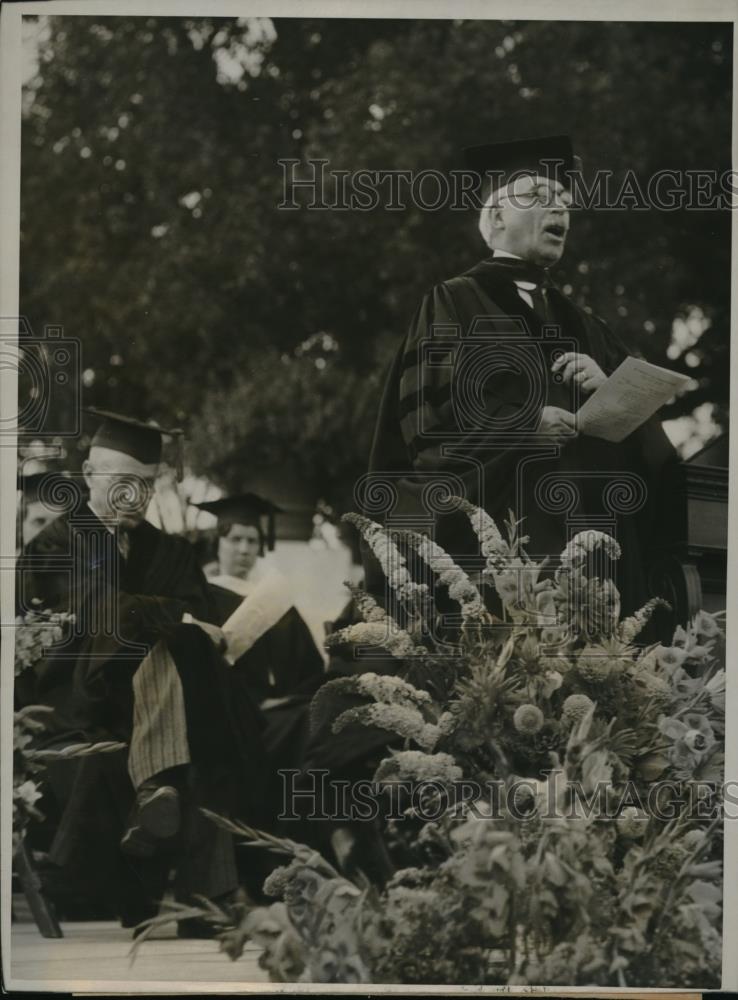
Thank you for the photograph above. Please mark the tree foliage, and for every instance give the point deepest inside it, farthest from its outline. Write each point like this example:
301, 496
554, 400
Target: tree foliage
151, 228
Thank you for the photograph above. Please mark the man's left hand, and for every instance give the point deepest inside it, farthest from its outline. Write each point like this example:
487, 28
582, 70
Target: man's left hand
215, 634
582, 369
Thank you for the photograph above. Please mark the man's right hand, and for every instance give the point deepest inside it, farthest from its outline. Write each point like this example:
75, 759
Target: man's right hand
557, 425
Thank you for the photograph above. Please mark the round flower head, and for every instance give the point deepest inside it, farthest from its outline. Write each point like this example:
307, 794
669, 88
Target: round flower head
593, 664
575, 708
277, 881
693, 839
632, 823
528, 719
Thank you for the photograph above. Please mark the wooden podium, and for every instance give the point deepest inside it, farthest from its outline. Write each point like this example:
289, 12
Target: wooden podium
690, 555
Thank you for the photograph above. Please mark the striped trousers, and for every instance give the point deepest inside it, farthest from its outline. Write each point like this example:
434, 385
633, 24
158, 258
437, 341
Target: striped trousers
159, 738
158, 742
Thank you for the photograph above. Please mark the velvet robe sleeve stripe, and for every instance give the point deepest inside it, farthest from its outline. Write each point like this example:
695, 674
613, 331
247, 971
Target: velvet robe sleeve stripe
428, 386
434, 384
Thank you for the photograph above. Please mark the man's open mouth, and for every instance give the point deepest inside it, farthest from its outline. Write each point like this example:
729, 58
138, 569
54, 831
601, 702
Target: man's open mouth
555, 229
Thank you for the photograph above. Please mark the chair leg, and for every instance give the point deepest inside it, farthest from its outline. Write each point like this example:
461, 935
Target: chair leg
30, 882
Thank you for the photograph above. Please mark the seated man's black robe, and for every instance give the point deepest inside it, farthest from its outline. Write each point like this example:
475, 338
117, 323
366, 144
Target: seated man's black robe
460, 408
123, 608
281, 669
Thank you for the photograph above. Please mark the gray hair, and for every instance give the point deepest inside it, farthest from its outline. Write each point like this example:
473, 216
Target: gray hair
485, 217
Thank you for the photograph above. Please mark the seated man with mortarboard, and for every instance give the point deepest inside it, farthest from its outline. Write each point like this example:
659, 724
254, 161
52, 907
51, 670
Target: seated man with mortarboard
481, 396
143, 665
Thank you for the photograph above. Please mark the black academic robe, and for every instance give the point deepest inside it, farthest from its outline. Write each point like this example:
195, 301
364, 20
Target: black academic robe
282, 670
460, 408
73, 565
281, 660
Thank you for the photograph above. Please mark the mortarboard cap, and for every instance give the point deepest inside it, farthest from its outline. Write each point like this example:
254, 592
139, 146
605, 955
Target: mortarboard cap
550, 156
140, 440
246, 508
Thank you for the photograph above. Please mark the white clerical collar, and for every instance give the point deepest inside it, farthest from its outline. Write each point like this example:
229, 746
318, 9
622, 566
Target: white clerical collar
525, 286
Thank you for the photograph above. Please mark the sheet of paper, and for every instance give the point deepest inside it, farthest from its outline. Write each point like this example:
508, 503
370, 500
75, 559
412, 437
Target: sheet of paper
255, 615
632, 394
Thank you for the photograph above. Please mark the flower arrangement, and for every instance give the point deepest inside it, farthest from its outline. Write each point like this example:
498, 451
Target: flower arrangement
575, 871
36, 632
26, 791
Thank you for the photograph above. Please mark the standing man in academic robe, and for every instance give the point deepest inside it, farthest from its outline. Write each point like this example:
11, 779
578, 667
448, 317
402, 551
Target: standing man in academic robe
143, 666
482, 395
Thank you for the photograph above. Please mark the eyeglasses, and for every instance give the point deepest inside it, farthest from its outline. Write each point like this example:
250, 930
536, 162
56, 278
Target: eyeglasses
541, 195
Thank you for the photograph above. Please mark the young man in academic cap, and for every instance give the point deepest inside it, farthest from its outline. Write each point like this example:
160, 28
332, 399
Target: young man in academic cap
483, 390
272, 646
143, 666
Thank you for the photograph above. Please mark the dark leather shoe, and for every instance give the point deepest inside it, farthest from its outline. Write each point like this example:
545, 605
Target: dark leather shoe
157, 818
158, 811
136, 843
